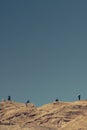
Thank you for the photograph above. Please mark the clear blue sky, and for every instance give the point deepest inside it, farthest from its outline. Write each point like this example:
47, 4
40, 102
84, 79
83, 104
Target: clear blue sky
43, 50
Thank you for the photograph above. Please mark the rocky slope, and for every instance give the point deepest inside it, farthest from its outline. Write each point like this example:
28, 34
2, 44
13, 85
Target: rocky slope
53, 116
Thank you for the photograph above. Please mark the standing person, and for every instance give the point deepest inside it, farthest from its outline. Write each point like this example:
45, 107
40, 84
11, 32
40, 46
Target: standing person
27, 102
79, 97
9, 98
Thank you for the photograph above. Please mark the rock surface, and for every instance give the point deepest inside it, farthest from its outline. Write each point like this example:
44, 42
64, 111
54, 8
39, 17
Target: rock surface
53, 116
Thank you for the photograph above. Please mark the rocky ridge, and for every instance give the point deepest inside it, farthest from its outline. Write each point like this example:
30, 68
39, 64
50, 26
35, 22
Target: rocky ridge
52, 116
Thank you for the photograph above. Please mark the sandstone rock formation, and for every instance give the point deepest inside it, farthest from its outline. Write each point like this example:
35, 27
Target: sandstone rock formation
53, 116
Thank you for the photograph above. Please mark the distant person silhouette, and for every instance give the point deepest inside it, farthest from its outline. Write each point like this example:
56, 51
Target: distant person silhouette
56, 100
79, 97
27, 102
9, 98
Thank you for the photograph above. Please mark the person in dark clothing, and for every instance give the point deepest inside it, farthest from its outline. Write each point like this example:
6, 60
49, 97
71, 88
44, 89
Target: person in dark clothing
79, 97
9, 98
27, 102
56, 100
